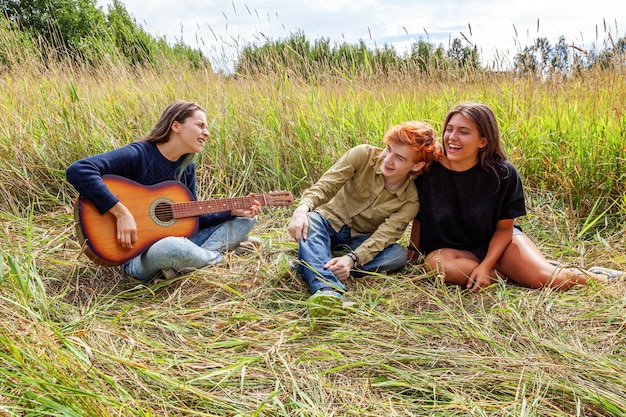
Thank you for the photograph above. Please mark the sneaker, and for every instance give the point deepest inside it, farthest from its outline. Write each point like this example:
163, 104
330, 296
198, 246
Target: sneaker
251, 244
325, 302
347, 302
293, 265
252, 241
610, 274
169, 273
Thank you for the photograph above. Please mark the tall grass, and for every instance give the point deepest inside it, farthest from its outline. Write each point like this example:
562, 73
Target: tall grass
236, 339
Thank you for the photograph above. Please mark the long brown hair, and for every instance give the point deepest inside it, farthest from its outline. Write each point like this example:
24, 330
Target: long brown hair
484, 118
178, 111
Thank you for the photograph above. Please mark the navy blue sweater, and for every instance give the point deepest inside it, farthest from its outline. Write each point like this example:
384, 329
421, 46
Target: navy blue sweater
141, 162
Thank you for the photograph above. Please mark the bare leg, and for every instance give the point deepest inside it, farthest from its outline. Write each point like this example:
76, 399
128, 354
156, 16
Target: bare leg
456, 265
523, 263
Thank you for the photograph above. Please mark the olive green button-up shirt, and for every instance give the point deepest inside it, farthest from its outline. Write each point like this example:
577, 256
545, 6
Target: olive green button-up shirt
352, 193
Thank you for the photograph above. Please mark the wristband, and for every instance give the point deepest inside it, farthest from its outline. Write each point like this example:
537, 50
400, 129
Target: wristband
355, 259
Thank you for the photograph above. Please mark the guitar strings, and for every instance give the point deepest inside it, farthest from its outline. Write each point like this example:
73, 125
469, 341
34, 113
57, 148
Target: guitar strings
166, 211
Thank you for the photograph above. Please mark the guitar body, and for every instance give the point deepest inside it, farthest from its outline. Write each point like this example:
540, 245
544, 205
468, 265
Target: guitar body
148, 204
161, 210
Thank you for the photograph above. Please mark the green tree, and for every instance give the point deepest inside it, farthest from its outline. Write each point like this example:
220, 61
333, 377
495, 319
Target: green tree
62, 24
79, 30
560, 57
426, 56
463, 56
130, 39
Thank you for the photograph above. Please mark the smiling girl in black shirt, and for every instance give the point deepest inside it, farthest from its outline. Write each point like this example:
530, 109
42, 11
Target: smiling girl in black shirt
469, 201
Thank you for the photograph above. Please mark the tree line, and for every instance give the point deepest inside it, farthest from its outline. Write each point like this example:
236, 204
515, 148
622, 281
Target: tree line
542, 58
300, 56
80, 31
296, 54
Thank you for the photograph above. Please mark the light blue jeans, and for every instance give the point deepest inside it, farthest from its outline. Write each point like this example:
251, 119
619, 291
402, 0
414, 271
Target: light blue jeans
203, 248
322, 240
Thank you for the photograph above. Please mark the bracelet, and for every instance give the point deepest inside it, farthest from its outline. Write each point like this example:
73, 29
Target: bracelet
355, 258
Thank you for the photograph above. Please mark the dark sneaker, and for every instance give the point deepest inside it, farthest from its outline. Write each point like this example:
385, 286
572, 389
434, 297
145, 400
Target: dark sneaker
610, 274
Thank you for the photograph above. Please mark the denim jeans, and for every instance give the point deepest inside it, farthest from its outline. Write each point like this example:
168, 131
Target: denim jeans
199, 250
322, 240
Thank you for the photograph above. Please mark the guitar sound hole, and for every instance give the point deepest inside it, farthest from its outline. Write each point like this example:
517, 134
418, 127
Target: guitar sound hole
163, 212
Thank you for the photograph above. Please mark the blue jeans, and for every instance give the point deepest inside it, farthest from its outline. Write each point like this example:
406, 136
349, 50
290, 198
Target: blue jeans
316, 251
201, 249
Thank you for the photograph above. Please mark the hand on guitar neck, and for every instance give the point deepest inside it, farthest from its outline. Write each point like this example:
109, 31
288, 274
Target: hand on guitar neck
146, 214
251, 211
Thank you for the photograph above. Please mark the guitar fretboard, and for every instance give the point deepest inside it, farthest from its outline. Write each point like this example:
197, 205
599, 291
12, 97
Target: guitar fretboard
197, 208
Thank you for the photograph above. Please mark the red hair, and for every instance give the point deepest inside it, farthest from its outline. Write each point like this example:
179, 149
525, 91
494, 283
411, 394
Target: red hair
421, 137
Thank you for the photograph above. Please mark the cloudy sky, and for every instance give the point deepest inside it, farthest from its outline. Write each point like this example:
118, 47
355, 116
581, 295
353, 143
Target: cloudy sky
499, 28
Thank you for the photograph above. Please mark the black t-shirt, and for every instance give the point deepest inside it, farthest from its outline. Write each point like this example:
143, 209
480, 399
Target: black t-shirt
459, 210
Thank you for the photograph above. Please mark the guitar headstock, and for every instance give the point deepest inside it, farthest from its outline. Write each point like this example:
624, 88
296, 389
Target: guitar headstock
278, 199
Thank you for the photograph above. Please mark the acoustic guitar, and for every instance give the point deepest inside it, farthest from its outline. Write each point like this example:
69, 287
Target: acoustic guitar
161, 210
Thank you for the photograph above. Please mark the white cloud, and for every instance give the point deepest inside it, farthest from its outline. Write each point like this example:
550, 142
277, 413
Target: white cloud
220, 27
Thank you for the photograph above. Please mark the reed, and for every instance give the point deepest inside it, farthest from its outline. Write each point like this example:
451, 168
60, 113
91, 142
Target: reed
235, 339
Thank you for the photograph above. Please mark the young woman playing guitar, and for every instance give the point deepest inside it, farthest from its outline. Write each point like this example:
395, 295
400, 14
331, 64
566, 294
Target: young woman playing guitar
165, 154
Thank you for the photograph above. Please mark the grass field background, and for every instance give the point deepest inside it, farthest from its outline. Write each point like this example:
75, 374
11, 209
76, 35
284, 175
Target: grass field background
236, 339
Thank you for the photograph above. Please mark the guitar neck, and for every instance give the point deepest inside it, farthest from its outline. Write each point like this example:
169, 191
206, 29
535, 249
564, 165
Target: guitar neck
198, 208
